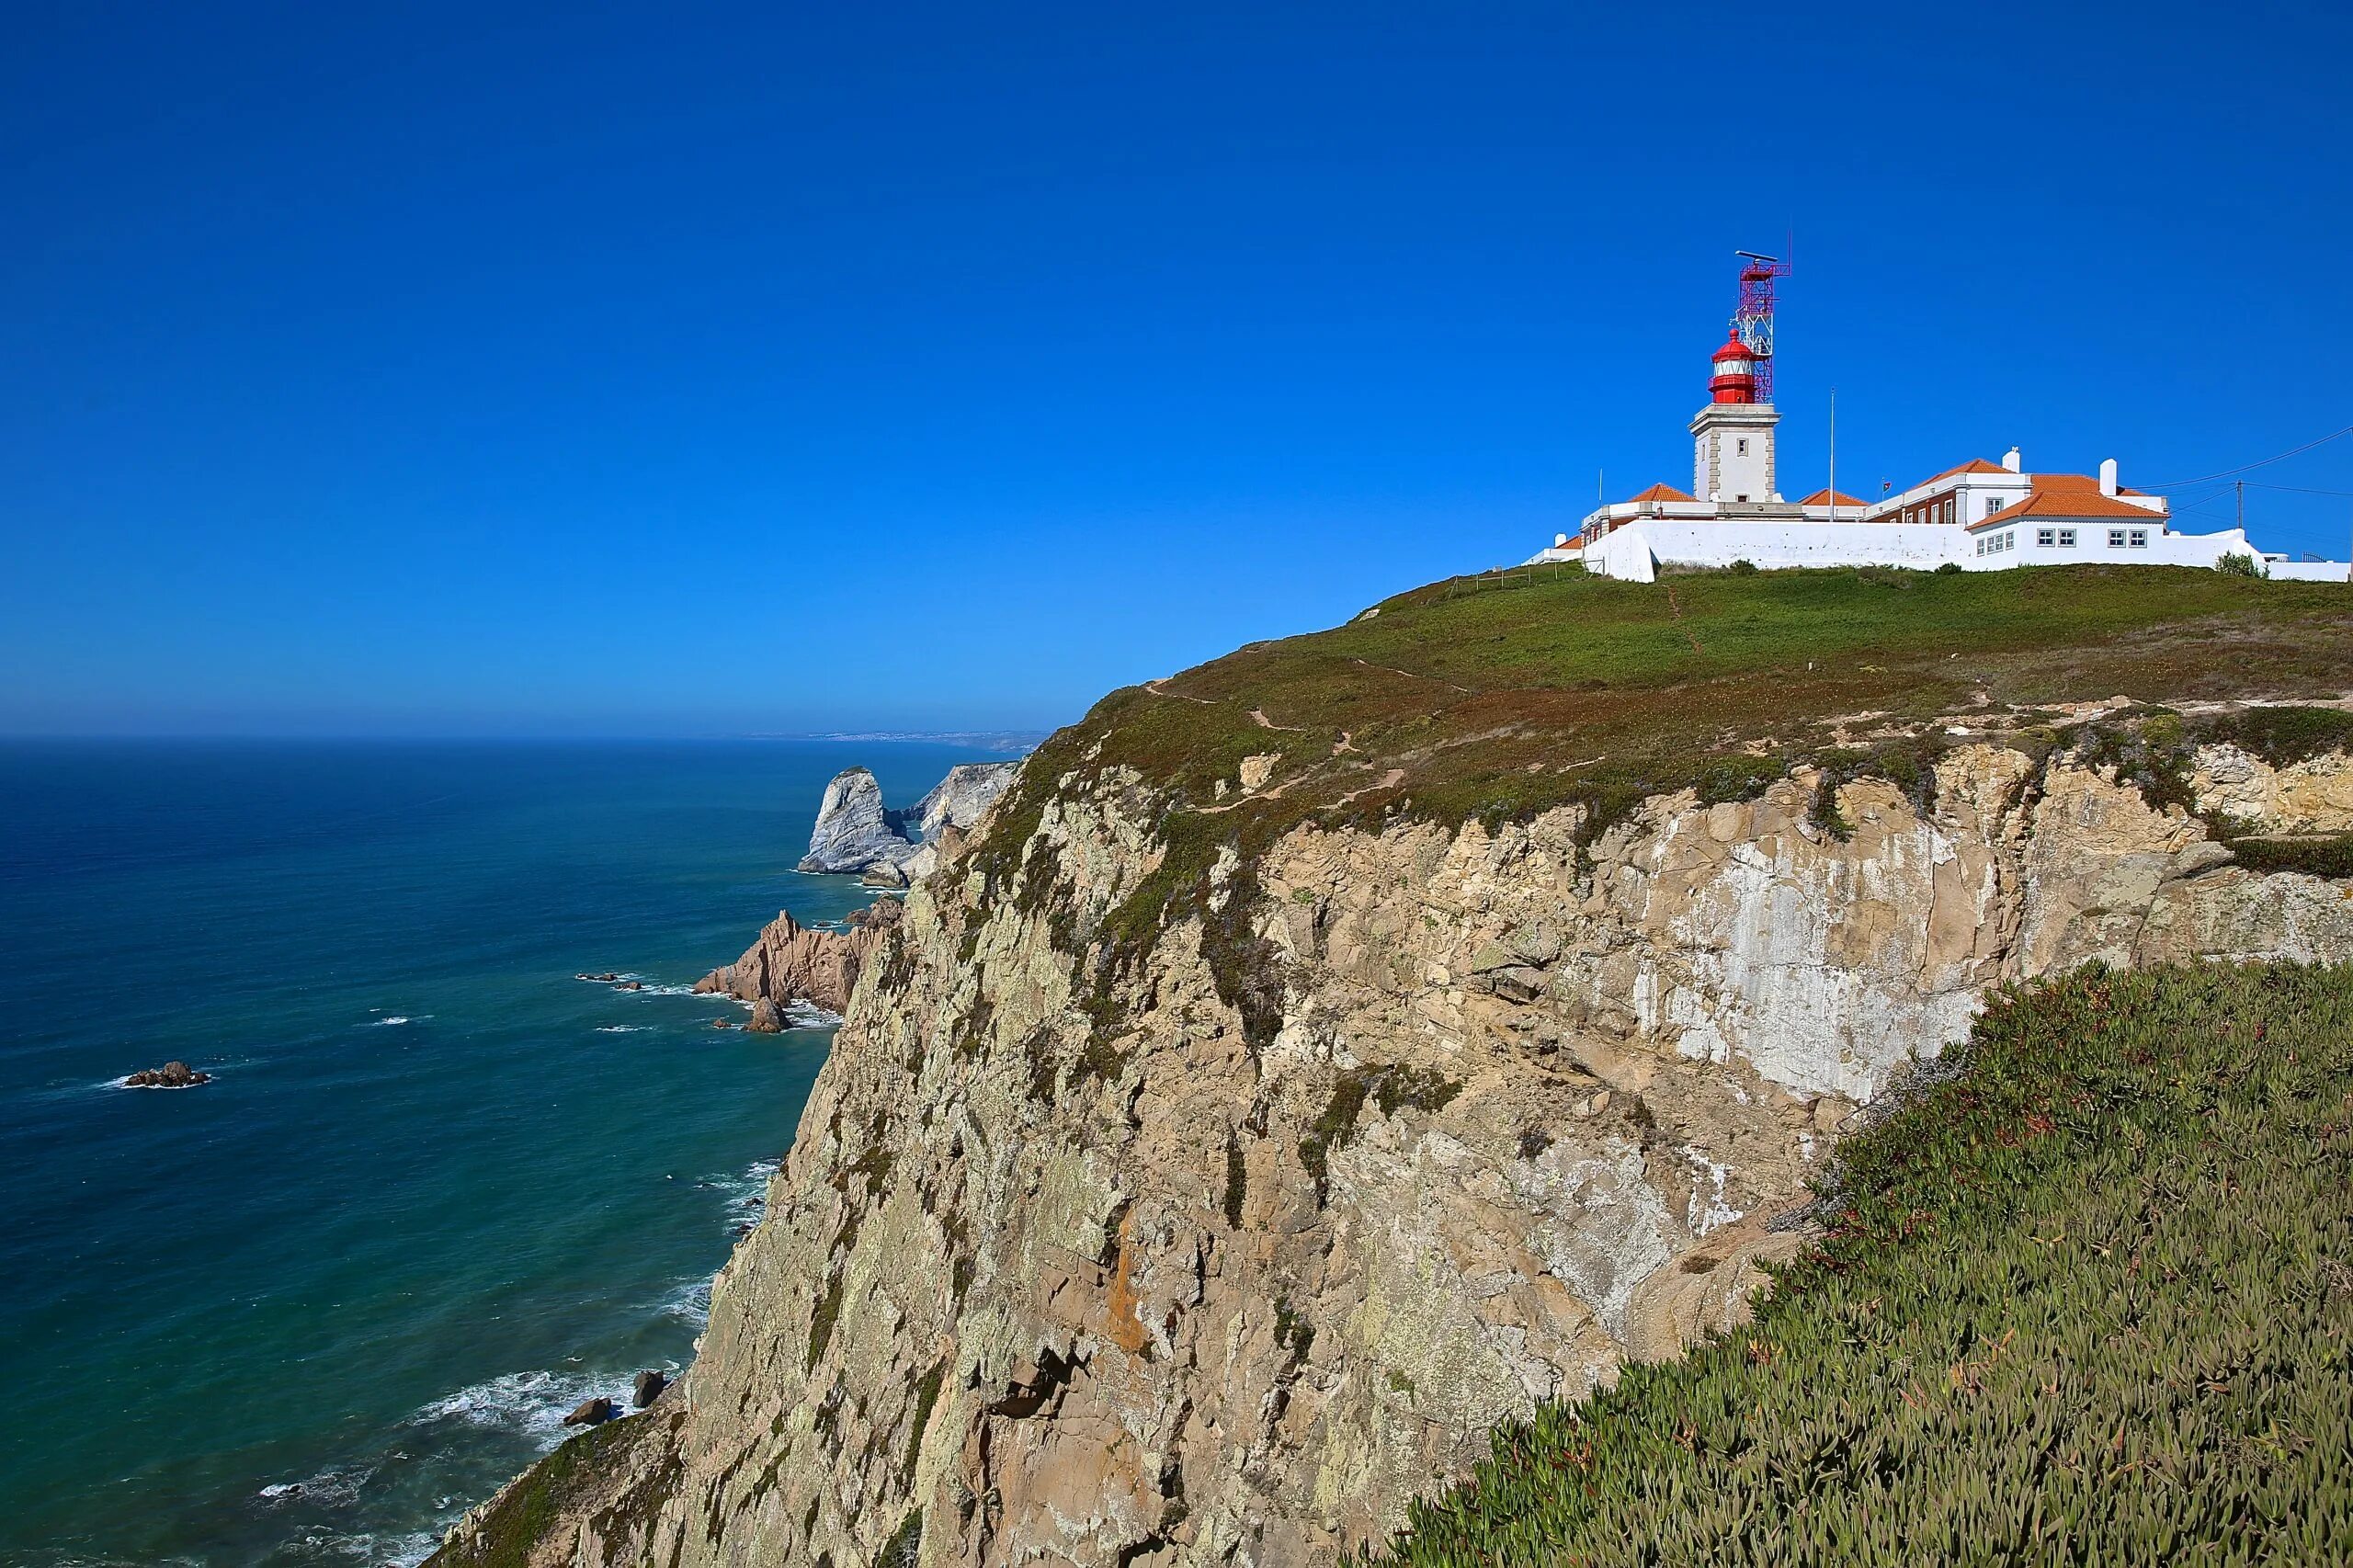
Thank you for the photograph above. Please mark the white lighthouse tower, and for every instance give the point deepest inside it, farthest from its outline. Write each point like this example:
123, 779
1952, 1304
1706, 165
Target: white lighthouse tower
1732, 457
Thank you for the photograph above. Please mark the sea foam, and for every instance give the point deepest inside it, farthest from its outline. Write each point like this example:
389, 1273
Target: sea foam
530, 1405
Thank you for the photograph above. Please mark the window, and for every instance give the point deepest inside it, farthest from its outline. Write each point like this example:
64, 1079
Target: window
1980, 547
2116, 539
1908, 514
1992, 504
1949, 508
2066, 539
2140, 539
2045, 538
1741, 447
1742, 498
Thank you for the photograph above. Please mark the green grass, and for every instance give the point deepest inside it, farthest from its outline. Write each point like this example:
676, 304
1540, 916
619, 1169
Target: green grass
1501, 702
2086, 1298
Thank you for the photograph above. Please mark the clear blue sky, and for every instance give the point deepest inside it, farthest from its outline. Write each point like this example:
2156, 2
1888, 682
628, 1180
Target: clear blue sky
603, 368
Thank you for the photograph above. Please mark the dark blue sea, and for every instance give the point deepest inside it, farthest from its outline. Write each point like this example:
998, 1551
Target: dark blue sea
440, 1190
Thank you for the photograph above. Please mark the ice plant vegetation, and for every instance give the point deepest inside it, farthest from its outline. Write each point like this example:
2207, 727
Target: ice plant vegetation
2085, 1297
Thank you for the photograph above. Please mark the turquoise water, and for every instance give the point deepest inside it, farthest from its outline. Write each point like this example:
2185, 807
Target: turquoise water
440, 1190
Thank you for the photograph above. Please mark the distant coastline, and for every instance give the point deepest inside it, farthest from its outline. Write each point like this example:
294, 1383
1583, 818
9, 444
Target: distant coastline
1012, 742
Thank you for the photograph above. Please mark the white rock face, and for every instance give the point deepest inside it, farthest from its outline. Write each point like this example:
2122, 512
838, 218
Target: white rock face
957, 801
855, 829
2313, 796
856, 832
1090, 1279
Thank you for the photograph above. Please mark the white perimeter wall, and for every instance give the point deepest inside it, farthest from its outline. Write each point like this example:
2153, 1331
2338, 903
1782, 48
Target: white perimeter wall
2308, 571
1636, 551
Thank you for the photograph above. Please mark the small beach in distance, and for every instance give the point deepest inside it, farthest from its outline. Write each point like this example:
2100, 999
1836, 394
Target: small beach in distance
438, 1189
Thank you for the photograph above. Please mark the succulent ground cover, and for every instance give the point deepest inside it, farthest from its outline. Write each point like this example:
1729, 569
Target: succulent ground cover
2086, 1296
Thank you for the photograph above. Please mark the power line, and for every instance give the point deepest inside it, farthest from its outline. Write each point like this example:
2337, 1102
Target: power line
2296, 489
2248, 468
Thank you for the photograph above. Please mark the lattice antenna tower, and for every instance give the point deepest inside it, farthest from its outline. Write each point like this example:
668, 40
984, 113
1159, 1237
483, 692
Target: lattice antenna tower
1753, 321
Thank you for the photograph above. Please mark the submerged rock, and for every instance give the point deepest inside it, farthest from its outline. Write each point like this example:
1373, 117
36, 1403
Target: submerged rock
170, 1076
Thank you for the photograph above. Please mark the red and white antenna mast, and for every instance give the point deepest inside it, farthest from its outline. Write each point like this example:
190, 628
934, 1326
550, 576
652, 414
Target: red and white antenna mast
1752, 324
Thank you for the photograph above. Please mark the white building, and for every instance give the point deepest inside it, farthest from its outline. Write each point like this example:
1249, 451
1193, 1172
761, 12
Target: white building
1979, 516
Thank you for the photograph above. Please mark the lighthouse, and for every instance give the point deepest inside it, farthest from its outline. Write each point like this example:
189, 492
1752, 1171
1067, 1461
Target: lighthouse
1731, 459
1732, 453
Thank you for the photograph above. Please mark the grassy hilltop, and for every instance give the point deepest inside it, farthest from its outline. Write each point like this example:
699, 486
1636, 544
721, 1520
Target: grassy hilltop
1462, 698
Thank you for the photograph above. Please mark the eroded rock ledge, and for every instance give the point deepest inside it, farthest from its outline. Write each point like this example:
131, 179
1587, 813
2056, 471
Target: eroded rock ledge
1074, 1264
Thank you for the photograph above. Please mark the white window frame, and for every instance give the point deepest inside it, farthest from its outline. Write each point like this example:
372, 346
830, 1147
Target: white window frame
2045, 538
2140, 539
2066, 539
1980, 547
1740, 446
2116, 539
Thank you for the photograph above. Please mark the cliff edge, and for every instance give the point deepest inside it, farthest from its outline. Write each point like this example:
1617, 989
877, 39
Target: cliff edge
1321, 1056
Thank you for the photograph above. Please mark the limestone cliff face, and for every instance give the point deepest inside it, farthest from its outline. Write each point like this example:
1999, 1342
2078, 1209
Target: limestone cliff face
1206, 1264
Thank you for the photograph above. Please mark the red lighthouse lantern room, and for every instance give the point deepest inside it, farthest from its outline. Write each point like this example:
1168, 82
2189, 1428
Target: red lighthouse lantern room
1735, 374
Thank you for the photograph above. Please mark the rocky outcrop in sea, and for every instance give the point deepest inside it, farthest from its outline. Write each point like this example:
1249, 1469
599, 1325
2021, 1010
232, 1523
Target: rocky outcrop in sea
170, 1076
856, 833
791, 962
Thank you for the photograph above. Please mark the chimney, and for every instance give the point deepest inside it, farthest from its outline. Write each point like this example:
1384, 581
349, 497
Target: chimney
2010, 460
1560, 541
2108, 476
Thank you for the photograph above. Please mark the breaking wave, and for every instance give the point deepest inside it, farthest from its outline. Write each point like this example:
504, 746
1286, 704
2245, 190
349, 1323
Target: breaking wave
532, 1405
334, 1485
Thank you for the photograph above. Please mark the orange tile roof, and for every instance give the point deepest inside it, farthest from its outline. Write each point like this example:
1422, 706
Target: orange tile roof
1660, 492
2069, 496
1974, 465
1832, 498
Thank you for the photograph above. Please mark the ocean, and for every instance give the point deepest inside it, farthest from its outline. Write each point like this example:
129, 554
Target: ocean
440, 1190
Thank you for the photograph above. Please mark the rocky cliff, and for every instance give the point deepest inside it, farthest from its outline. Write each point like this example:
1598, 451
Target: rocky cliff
1103, 1284
1229, 1135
